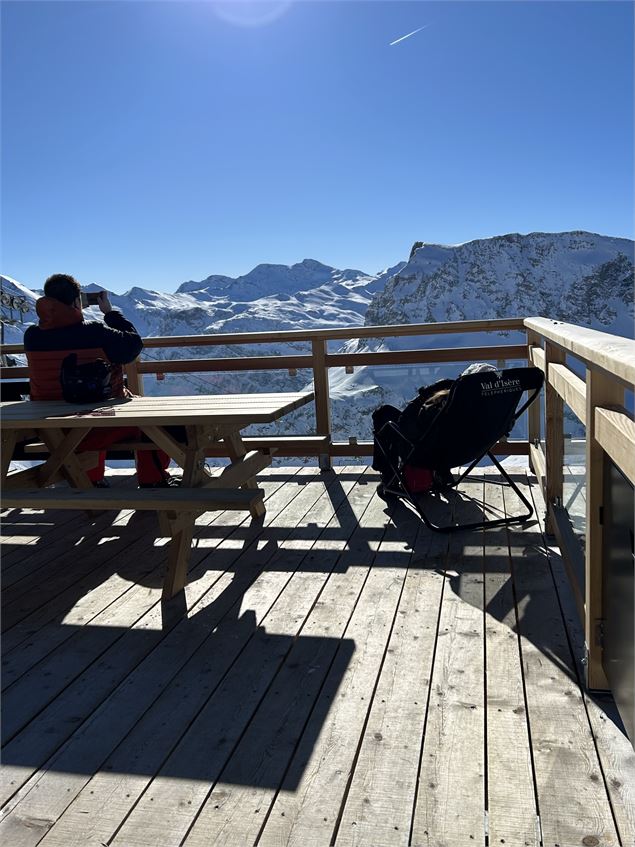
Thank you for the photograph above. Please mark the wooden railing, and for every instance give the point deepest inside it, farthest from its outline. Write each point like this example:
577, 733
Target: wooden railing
598, 401
319, 361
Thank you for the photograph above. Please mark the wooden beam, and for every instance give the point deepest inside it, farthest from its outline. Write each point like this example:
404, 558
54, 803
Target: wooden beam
20, 372
507, 352
166, 443
570, 387
135, 378
29, 478
615, 432
342, 333
572, 554
322, 395
144, 499
554, 434
601, 390
538, 463
240, 471
238, 363
9, 438
535, 356
57, 458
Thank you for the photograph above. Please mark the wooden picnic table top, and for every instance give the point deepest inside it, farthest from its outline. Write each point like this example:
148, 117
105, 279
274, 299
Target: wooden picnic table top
240, 409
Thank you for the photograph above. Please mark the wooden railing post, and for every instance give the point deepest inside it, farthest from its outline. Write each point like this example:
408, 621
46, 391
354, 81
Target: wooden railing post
601, 390
322, 400
135, 379
554, 436
533, 412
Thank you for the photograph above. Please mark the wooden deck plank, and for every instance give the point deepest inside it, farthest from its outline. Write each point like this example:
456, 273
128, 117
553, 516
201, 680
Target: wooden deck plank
378, 807
71, 575
249, 783
308, 804
572, 800
108, 798
59, 528
511, 804
615, 751
213, 742
15, 527
159, 714
119, 601
176, 636
450, 807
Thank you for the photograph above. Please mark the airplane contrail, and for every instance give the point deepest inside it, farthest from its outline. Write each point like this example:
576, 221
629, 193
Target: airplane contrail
414, 32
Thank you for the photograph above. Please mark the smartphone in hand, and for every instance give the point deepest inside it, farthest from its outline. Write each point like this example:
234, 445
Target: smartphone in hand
89, 298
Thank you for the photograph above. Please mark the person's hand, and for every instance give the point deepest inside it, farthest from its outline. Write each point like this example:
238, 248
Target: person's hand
103, 302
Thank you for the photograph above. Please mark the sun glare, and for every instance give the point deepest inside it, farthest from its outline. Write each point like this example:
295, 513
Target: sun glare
250, 12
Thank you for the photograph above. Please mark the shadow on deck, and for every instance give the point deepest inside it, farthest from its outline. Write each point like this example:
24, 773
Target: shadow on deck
334, 674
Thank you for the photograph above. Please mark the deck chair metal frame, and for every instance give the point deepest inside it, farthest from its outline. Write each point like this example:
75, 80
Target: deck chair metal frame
495, 392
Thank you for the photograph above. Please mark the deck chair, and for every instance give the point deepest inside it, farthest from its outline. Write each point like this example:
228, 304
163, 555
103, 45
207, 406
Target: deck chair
480, 409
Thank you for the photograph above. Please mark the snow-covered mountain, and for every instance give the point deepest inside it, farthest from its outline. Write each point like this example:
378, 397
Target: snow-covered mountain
577, 277
271, 297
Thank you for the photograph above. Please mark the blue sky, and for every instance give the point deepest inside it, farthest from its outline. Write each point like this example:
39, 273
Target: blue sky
148, 143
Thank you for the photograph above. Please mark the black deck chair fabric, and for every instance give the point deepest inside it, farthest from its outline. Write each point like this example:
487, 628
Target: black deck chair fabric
480, 409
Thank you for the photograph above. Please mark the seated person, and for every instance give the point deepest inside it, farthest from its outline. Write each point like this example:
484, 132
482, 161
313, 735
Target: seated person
62, 330
413, 422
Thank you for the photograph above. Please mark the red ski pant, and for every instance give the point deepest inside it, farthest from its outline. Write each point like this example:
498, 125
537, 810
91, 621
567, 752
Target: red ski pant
151, 464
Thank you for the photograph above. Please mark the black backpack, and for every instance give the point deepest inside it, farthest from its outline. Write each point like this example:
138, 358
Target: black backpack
87, 383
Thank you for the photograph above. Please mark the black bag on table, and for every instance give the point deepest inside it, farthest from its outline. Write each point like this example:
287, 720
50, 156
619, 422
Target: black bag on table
87, 383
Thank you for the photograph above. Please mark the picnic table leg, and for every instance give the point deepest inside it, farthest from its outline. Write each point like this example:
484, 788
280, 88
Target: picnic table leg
180, 544
178, 558
9, 437
237, 450
61, 447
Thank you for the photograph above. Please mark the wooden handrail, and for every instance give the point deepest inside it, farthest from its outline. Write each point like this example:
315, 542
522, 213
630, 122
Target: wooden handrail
326, 334
597, 401
612, 353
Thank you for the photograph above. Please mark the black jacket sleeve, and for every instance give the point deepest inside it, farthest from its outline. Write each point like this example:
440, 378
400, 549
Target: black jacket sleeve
120, 340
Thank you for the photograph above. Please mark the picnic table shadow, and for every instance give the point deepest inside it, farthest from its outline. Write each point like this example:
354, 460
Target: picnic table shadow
205, 700
208, 676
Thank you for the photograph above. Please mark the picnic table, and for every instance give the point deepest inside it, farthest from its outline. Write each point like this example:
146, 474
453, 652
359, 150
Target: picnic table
207, 419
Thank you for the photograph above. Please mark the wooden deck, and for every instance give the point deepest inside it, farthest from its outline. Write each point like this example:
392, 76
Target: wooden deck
341, 676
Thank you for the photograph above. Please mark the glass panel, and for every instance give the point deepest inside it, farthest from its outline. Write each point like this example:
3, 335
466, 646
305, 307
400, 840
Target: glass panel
574, 472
